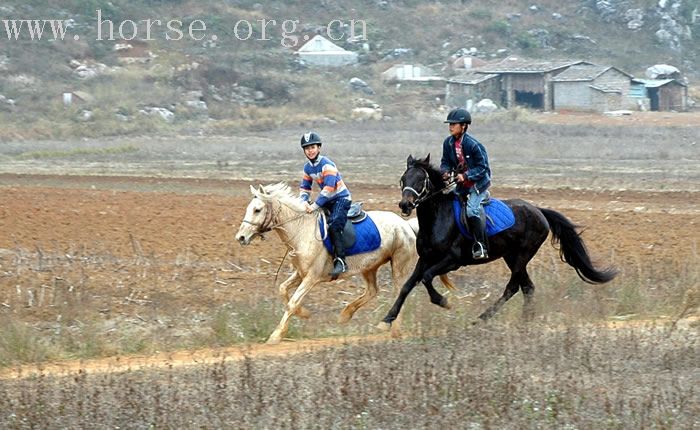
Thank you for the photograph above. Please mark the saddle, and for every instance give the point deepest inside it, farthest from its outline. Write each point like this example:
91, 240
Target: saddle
484, 203
355, 215
499, 217
360, 234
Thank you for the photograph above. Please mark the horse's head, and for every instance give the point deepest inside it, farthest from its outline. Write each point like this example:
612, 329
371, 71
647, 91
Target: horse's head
415, 183
257, 219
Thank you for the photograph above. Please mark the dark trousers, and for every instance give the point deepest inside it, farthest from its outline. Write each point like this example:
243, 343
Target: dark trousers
338, 209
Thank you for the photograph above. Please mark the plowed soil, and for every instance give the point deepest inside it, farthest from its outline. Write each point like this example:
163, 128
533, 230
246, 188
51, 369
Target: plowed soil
88, 215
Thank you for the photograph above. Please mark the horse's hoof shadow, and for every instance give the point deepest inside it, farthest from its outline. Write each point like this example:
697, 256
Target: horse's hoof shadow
303, 313
384, 326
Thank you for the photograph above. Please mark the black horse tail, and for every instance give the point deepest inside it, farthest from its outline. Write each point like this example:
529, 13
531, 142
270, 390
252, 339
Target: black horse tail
573, 250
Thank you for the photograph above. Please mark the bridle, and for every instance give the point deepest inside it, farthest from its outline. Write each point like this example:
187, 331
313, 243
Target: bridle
269, 224
426, 188
425, 193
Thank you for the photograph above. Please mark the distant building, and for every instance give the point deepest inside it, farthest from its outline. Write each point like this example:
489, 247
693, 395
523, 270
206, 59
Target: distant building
471, 85
409, 74
590, 87
564, 85
528, 83
320, 51
661, 94
402, 72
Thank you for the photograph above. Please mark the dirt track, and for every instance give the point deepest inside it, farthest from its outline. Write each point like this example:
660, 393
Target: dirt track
182, 358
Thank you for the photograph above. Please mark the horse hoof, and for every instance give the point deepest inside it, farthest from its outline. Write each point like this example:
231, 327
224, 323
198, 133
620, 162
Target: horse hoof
344, 318
384, 326
445, 303
273, 340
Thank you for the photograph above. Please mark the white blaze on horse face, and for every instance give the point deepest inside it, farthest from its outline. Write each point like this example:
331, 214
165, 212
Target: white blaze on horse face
252, 220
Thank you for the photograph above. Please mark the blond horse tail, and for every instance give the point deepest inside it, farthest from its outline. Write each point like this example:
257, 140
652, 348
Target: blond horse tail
447, 283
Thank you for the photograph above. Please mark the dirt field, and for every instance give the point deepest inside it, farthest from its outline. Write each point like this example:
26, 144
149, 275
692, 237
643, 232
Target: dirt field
141, 244
125, 301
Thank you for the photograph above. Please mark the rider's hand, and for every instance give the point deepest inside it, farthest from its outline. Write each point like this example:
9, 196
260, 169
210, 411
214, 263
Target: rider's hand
445, 176
460, 178
308, 208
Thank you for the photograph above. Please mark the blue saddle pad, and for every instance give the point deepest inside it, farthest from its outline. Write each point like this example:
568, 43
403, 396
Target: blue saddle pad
499, 217
367, 237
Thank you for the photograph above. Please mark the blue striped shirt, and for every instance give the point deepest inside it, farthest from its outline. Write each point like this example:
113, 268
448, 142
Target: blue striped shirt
324, 173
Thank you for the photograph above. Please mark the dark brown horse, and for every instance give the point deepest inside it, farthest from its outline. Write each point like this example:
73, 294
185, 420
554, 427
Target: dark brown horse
442, 248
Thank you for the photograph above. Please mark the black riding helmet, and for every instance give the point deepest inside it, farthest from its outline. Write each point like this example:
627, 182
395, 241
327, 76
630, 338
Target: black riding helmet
458, 116
310, 138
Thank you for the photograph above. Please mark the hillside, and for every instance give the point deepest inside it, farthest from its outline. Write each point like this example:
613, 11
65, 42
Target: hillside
242, 74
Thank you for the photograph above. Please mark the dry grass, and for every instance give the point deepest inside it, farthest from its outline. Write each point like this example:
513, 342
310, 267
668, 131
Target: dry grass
495, 376
52, 310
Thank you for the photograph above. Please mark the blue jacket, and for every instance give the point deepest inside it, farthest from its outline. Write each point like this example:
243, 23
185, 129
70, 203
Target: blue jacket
475, 157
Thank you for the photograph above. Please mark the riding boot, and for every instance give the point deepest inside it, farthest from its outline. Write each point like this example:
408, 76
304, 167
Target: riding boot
477, 229
339, 264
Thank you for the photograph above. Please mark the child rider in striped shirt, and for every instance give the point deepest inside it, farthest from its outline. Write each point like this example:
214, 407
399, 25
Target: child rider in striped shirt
334, 195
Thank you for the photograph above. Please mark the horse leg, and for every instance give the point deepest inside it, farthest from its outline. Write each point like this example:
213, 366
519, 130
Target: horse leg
307, 284
285, 287
444, 266
401, 262
528, 289
370, 292
405, 290
517, 263
511, 289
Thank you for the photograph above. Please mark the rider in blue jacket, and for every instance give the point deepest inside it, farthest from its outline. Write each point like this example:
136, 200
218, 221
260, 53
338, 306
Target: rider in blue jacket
465, 157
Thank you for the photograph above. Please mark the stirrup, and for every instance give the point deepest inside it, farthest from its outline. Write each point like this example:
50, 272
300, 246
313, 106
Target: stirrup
479, 252
342, 269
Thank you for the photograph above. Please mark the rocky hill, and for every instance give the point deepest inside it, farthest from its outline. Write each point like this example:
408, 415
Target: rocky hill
152, 66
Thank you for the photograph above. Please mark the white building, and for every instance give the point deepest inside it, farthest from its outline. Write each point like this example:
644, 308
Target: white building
320, 51
401, 72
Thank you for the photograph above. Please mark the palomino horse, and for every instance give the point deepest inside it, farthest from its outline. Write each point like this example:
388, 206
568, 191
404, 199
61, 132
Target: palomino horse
274, 207
442, 248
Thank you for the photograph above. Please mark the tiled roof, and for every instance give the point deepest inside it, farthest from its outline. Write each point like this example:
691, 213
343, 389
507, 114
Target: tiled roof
584, 72
655, 83
471, 77
522, 66
581, 72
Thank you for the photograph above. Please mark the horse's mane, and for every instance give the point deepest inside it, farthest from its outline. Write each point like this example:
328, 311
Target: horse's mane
433, 172
282, 193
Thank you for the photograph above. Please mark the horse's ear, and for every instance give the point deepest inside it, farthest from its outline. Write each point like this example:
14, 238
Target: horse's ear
253, 191
427, 159
410, 160
261, 190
